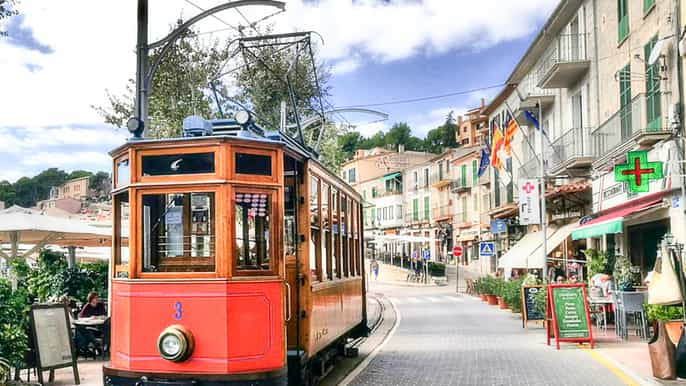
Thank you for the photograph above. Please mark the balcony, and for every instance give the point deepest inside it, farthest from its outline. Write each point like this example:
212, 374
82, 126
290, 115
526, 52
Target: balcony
388, 193
411, 220
530, 168
440, 180
626, 129
459, 186
573, 150
565, 62
442, 213
530, 94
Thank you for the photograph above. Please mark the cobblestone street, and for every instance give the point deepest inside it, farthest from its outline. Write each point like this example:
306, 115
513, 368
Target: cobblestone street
449, 339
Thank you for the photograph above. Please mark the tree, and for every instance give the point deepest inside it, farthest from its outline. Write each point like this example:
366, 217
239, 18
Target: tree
7, 193
8, 8
442, 137
179, 88
348, 143
100, 184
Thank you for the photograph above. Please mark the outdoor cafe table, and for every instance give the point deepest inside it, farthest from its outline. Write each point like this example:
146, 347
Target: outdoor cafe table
89, 322
602, 302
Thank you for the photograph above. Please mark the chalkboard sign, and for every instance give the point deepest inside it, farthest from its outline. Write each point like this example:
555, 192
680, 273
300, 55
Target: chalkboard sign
529, 313
567, 307
52, 339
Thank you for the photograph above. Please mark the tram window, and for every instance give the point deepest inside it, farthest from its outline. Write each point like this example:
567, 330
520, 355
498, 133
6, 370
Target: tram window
178, 232
315, 254
121, 242
256, 164
335, 231
252, 213
326, 254
345, 260
171, 164
123, 173
314, 201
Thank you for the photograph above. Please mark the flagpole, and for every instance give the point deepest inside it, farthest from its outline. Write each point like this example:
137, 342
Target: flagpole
544, 226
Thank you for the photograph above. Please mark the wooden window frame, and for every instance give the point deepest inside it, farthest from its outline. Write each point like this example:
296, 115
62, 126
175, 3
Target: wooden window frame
318, 244
275, 251
117, 236
115, 172
254, 178
219, 254
167, 179
326, 230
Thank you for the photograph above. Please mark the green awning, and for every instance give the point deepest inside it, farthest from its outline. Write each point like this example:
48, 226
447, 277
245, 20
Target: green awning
390, 176
613, 226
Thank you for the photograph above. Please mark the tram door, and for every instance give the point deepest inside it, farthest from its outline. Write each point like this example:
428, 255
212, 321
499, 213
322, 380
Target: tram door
293, 191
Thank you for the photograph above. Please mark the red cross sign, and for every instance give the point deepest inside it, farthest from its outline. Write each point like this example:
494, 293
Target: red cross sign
528, 187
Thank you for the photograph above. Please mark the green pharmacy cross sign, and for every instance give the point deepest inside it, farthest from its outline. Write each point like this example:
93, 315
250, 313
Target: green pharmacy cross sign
638, 171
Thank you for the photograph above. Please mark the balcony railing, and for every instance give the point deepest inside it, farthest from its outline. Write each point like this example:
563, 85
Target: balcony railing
410, 219
387, 193
459, 186
572, 150
624, 127
530, 168
564, 62
441, 212
532, 94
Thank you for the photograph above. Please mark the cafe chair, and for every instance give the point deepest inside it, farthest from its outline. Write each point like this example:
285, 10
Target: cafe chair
631, 304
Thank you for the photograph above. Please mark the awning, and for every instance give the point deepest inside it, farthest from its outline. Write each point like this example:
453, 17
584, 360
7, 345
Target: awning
390, 176
557, 238
520, 255
611, 222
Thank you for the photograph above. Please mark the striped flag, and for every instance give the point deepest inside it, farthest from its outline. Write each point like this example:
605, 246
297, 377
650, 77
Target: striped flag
496, 147
510, 131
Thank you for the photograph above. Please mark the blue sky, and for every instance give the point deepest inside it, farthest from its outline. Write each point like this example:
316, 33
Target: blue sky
53, 71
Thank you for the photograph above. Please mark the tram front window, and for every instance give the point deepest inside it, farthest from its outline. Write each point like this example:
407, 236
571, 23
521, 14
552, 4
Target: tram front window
178, 232
252, 229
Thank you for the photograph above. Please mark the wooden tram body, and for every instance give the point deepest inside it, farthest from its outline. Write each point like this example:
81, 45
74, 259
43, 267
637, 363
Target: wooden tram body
240, 245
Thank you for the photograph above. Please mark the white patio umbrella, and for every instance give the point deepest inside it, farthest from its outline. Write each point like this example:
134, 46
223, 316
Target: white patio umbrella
29, 226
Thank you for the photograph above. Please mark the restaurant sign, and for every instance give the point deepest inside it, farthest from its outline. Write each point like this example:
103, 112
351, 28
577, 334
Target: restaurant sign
643, 173
567, 309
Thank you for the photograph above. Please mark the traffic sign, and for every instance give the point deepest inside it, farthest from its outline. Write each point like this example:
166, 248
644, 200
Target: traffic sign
486, 249
457, 251
426, 254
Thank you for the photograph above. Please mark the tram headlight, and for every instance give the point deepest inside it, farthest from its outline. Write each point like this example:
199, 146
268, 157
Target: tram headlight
175, 343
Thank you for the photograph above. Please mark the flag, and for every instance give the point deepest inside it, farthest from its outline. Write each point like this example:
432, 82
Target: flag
510, 131
484, 161
532, 118
496, 146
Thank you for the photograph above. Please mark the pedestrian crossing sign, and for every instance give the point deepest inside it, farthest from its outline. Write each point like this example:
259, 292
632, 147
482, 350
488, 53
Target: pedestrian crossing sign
486, 249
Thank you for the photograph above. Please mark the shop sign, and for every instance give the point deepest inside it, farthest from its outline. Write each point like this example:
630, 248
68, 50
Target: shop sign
568, 309
609, 192
638, 171
561, 215
529, 206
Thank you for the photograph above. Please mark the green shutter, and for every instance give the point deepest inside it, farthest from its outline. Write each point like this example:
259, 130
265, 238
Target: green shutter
475, 172
622, 19
374, 193
464, 176
647, 5
373, 215
426, 208
653, 95
464, 209
496, 188
364, 195
415, 209
625, 102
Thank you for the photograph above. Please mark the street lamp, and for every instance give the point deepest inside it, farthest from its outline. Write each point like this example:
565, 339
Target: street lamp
144, 73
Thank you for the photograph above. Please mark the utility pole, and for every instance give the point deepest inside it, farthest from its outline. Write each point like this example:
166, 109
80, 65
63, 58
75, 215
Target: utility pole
142, 67
544, 227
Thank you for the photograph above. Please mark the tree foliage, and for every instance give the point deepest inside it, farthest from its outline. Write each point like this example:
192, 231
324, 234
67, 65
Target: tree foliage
8, 8
27, 191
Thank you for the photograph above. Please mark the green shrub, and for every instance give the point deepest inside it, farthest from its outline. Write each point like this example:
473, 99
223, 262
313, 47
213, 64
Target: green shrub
436, 269
660, 313
539, 300
13, 323
512, 294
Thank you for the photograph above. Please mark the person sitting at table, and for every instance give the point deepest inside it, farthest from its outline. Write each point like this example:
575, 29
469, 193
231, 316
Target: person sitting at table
92, 307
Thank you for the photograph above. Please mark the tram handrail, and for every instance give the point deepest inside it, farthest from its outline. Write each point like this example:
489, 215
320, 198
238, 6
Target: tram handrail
288, 300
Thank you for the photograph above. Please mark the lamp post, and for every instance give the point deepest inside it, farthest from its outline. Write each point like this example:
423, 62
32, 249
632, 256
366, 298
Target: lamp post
137, 125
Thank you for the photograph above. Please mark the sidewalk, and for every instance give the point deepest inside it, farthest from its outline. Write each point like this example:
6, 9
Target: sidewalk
391, 274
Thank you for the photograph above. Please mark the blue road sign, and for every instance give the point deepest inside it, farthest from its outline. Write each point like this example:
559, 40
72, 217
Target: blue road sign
486, 249
426, 254
498, 226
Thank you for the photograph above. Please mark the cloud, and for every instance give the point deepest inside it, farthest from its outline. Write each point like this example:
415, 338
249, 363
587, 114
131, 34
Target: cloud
422, 123
394, 30
21, 35
345, 66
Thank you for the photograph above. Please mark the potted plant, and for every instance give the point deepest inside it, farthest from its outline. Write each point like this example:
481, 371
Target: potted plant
500, 293
512, 296
491, 291
623, 274
671, 316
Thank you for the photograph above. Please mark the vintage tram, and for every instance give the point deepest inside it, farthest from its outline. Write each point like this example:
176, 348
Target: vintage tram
237, 259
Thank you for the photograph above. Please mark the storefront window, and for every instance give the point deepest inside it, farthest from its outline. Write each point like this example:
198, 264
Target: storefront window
252, 231
178, 232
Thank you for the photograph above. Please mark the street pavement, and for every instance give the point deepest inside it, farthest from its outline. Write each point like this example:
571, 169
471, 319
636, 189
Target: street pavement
448, 339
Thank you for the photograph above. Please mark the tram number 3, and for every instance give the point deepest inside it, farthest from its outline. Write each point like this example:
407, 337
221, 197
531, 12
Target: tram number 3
178, 310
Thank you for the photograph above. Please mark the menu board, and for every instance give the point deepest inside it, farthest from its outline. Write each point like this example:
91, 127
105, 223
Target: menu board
529, 312
568, 309
52, 338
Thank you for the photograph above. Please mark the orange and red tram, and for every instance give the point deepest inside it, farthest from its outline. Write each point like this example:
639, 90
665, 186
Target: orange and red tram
237, 259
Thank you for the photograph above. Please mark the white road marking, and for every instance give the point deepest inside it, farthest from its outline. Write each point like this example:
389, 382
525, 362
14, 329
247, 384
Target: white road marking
434, 300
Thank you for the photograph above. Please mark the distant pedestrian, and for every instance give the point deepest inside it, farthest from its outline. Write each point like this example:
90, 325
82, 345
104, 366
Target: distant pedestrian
375, 268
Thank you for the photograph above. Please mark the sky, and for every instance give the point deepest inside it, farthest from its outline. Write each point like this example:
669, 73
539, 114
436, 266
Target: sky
58, 61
